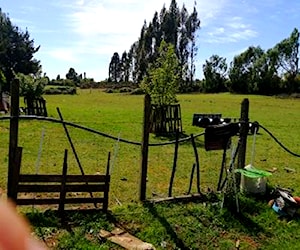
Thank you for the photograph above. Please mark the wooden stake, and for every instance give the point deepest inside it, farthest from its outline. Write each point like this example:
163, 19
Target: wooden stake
244, 121
197, 162
174, 164
61, 206
144, 147
13, 137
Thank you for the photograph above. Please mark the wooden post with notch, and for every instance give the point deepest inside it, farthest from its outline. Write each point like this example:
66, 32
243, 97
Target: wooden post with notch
13, 139
144, 147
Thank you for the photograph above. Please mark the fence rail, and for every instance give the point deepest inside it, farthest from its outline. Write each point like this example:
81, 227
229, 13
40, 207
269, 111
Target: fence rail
31, 185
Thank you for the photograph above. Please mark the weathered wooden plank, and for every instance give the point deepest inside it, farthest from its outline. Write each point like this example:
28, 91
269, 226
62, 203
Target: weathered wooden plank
55, 201
78, 200
86, 188
88, 178
38, 188
40, 178
124, 239
33, 201
58, 178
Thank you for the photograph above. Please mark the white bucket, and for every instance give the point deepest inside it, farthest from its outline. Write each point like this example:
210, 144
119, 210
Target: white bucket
253, 185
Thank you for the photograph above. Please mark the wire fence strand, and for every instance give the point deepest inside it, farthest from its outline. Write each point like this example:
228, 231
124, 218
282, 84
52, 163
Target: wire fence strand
50, 119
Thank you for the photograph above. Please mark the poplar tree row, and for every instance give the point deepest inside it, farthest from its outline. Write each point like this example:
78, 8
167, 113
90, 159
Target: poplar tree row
175, 26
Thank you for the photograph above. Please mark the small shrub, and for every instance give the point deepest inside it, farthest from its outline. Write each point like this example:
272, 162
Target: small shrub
138, 91
125, 90
295, 95
58, 90
53, 91
109, 91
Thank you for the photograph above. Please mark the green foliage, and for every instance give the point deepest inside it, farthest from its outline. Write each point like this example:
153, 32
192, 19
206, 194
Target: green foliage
163, 80
270, 72
57, 90
287, 52
16, 51
75, 241
177, 27
215, 74
87, 83
115, 68
125, 67
138, 91
73, 76
63, 82
31, 87
242, 72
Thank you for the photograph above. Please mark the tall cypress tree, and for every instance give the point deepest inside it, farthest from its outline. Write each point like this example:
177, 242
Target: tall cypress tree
124, 67
182, 45
114, 68
176, 27
193, 24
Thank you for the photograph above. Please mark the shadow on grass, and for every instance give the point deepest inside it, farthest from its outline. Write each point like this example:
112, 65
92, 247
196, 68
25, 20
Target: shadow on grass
152, 209
72, 218
248, 207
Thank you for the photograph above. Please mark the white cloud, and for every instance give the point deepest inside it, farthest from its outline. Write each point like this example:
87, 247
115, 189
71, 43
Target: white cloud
210, 10
233, 29
63, 54
106, 26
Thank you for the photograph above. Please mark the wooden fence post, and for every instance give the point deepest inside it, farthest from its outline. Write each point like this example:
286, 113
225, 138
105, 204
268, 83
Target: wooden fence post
244, 121
107, 180
197, 162
62, 196
16, 173
144, 147
13, 137
174, 164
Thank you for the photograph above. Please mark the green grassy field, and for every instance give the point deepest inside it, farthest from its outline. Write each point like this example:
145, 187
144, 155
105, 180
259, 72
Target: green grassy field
121, 115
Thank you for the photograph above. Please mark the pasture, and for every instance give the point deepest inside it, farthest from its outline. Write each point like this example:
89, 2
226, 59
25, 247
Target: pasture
121, 115
166, 226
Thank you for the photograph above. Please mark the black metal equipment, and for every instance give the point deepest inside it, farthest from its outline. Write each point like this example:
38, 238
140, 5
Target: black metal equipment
204, 120
207, 120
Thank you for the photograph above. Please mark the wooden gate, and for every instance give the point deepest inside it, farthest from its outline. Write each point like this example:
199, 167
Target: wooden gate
33, 189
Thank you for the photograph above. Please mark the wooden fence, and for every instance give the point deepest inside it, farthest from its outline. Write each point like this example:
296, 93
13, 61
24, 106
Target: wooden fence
34, 189
165, 119
35, 107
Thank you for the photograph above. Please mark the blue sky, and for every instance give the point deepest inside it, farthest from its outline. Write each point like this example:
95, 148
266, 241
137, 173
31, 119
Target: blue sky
84, 34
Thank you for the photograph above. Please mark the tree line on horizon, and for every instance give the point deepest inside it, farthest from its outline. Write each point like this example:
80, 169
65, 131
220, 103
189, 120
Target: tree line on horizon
254, 71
